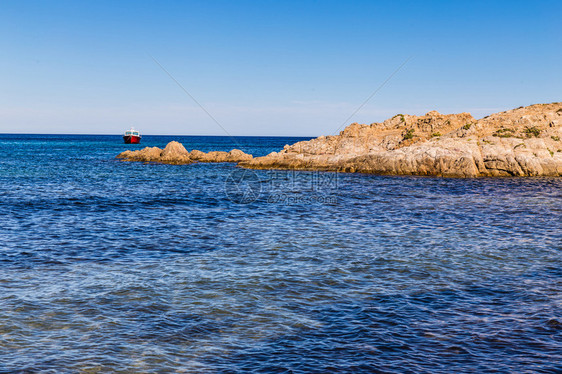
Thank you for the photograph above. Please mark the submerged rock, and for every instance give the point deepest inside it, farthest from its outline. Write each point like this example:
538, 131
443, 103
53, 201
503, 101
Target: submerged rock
521, 142
176, 154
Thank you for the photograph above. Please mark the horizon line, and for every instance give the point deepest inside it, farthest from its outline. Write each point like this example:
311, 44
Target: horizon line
120, 135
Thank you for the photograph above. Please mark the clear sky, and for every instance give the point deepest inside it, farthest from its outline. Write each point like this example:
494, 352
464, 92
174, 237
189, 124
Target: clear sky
268, 67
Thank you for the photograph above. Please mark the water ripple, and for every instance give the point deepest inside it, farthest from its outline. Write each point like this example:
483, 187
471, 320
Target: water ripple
108, 266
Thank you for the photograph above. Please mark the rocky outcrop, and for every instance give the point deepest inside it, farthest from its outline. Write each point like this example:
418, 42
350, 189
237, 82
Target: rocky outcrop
176, 154
521, 142
148, 154
235, 155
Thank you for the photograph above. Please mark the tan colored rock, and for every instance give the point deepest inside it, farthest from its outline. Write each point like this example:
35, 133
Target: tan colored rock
234, 155
214, 156
148, 154
521, 142
175, 153
197, 155
237, 155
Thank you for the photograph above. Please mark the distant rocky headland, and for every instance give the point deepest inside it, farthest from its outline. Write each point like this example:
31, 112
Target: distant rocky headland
520, 142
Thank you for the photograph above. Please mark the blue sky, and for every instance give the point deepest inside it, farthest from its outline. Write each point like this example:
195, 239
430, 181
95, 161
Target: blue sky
268, 67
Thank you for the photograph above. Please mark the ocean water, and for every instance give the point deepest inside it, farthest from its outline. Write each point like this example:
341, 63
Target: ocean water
108, 266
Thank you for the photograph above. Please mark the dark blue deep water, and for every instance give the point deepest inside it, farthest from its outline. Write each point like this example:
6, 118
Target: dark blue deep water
107, 266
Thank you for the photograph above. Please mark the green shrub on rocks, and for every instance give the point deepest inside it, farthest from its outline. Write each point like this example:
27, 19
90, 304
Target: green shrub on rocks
504, 133
532, 132
409, 134
401, 117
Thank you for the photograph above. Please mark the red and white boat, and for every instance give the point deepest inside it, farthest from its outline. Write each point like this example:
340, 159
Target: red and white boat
132, 136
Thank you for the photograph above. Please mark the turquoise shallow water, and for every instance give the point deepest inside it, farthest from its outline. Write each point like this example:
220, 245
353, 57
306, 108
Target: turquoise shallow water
125, 267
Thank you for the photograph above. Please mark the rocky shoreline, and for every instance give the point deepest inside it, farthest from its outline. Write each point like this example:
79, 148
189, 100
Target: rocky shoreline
521, 142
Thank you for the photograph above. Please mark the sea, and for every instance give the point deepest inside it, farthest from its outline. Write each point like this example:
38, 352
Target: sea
118, 267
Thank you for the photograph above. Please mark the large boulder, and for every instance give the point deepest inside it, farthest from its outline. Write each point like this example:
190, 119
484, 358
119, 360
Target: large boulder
175, 153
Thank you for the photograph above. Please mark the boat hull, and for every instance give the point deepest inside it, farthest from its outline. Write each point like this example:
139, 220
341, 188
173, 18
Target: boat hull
131, 139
